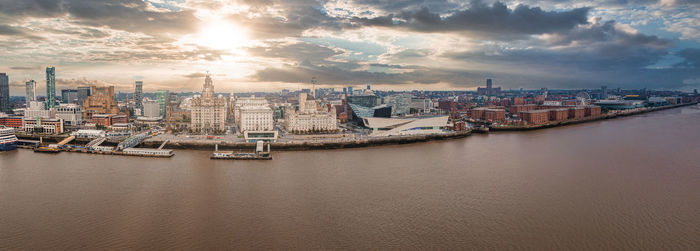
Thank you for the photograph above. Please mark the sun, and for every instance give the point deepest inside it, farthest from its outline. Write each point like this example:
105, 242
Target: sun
221, 35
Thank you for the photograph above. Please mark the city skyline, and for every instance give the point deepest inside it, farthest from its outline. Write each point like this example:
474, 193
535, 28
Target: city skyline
430, 45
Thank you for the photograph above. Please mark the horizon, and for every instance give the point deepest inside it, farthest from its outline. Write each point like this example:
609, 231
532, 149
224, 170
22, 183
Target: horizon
428, 45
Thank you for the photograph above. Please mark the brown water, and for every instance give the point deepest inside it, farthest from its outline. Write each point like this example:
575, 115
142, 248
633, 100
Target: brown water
628, 183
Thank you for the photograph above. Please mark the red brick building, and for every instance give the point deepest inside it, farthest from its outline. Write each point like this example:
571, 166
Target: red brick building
592, 111
577, 112
535, 117
516, 109
558, 114
102, 119
485, 113
14, 122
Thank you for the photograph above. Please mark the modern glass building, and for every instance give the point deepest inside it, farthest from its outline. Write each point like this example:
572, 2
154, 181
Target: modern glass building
83, 93
69, 96
138, 97
50, 87
4, 93
162, 97
30, 91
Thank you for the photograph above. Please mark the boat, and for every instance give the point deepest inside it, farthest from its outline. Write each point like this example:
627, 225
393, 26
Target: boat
47, 149
8, 139
259, 154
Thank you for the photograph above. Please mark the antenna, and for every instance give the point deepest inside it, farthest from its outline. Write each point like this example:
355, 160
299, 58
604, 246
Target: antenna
313, 87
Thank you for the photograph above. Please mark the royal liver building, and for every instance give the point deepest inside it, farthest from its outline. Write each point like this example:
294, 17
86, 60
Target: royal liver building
208, 111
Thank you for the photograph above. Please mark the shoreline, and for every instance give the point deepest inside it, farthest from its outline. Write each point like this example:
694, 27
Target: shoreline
367, 142
585, 120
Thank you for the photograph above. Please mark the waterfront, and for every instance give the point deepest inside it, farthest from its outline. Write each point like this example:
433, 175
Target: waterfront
628, 183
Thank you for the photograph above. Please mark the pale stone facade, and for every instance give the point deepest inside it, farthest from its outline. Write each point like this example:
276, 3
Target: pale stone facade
253, 114
208, 113
311, 117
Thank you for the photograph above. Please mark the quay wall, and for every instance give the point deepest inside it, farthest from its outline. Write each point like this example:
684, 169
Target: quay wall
308, 145
583, 120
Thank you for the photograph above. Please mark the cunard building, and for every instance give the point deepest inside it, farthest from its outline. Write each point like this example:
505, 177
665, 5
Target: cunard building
311, 117
208, 112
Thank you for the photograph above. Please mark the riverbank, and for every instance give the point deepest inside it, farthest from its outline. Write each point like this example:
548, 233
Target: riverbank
310, 145
355, 143
584, 120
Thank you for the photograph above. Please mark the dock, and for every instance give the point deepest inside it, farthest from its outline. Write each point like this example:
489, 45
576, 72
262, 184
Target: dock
126, 147
259, 153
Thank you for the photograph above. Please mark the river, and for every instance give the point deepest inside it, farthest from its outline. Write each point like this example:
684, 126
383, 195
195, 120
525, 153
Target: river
626, 183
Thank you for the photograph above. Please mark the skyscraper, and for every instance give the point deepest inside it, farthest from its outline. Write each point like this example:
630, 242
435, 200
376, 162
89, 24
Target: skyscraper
162, 96
30, 91
138, 90
489, 83
604, 92
4, 94
50, 87
83, 94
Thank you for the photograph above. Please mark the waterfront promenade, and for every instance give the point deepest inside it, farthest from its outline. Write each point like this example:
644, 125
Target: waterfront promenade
339, 141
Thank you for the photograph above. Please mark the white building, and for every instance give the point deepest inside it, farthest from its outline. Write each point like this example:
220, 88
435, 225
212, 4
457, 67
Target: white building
400, 103
400, 127
208, 113
253, 114
36, 109
151, 108
310, 117
70, 113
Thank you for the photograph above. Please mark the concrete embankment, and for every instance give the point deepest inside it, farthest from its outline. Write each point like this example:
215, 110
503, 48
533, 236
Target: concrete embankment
309, 145
583, 120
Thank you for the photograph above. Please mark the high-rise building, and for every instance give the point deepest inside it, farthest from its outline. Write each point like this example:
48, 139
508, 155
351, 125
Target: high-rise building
208, 112
162, 97
5, 93
603, 92
695, 91
138, 95
50, 87
350, 90
69, 96
30, 91
83, 93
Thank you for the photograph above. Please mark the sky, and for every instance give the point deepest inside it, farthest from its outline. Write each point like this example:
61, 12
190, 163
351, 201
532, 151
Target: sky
268, 45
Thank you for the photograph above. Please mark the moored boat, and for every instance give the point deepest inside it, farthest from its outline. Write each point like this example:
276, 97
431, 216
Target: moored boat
8, 139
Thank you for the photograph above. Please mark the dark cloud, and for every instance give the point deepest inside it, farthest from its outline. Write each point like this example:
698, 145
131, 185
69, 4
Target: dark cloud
7, 30
606, 32
691, 59
315, 54
296, 17
24, 68
127, 15
496, 20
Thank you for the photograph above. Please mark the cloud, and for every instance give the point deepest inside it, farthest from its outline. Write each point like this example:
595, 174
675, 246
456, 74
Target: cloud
195, 75
24, 68
496, 21
127, 15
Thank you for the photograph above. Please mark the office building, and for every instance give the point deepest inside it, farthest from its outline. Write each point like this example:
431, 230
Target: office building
162, 97
39, 125
37, 109
363, 100
604, 92
83, 93
50, 87
253, 115
151, 108
70, 113
5, 94
311, 117
101, 101
30, 90
208, 112
138, 95
400, 104
69, 96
